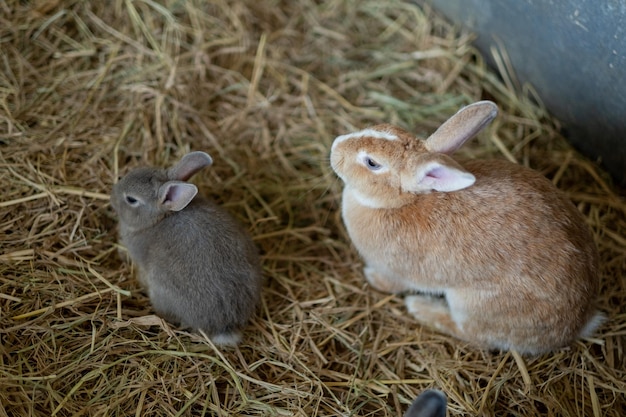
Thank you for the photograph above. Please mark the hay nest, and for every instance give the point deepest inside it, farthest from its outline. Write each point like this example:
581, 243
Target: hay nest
90, 89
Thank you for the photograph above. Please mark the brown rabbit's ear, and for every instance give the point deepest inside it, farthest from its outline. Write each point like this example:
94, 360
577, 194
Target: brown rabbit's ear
466, 123
436, 172
176, 195
189, 165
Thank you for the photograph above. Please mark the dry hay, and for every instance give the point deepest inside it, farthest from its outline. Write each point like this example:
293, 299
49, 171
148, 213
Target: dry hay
91, 89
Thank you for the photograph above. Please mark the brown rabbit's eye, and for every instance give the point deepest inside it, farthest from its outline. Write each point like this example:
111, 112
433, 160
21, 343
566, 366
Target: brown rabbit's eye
371, 164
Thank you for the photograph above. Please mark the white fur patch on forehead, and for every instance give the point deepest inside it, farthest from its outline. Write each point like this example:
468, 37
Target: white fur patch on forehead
369, 132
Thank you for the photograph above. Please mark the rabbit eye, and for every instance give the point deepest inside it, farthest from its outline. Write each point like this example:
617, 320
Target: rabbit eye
131, 200
371, 164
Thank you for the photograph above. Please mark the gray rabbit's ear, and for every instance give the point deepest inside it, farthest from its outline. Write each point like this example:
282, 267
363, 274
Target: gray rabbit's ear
189, 165
430, 403
435, 172
464, 125
176, 195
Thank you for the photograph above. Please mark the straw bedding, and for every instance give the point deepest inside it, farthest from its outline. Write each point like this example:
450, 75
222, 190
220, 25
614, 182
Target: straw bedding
89, 90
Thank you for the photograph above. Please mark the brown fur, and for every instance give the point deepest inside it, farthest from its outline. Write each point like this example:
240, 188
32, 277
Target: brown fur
511, 255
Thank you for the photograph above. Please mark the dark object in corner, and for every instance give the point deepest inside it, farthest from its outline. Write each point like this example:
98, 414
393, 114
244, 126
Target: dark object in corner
573, 52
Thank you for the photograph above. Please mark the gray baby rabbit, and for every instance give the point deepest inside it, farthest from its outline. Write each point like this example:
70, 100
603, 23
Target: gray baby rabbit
200, 266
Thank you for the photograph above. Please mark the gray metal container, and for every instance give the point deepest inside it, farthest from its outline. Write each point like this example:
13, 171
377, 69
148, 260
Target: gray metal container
573, 52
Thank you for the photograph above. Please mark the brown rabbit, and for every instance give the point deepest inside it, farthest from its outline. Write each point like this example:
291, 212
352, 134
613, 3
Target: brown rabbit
498, 256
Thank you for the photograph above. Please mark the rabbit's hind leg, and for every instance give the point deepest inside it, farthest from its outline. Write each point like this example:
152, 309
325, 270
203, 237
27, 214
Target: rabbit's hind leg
433, 312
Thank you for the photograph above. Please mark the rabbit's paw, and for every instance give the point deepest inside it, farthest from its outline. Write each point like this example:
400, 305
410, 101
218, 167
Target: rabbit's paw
432, 312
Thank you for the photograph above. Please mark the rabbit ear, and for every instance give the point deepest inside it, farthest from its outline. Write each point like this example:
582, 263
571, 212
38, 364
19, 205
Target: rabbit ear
176, 195
466, 123
189, 165
437, 173
430, 403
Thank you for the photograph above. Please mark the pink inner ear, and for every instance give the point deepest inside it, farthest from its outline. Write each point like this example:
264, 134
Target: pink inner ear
174, 193
438, 173
178, 195
444, 178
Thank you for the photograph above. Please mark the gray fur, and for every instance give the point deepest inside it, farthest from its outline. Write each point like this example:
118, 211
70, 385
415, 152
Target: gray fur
200, 266
430, 403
